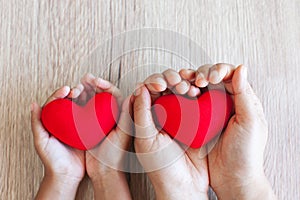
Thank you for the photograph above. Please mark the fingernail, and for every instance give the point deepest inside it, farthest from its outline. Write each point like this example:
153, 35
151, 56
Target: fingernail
214, 75
201, 75
185, 84
103, 83
243, 76
98, 81
67, 90
199, 79
80, 87
244, 72
202, 82
160, 80
76, 92
160, 84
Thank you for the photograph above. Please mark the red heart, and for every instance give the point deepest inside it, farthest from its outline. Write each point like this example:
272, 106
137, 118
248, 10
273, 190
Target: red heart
193, 122
81, 127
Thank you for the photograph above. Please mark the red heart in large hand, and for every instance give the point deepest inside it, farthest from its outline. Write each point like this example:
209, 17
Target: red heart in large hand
193, 122
81, 127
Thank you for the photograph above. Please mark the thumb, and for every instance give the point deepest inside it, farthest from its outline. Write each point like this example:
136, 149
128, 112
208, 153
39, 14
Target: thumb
155, 150
144, 124
39, 133
247, 105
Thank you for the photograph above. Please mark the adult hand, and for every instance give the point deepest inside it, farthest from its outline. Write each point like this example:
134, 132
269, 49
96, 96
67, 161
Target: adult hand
176, 172
236, 161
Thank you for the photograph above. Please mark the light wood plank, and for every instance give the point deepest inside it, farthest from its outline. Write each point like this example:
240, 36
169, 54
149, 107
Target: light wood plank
46, 44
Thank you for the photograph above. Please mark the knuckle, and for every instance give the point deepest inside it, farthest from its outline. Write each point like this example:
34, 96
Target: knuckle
168, 71
152, 78
140, 107
204, 68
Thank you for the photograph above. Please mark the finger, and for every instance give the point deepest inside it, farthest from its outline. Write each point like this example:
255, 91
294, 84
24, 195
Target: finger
172, 77
246, 103
153, 95
188, 74
202, 75
154, 150
156, 84
182, 87
106, 86
220, 72
193, 91
59, 94
89, 87
39, 133
87, 80
76, 91
125, 123
144, 125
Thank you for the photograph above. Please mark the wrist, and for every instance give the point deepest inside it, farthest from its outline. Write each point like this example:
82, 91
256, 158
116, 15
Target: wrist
169, 191
255, 188
63, 177
111, 185
57, 187
102, 179
63, 181
178, 195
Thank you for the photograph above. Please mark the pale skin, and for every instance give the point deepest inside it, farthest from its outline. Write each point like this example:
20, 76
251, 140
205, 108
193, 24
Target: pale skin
109, 183
65, 166
234, 166
185, 177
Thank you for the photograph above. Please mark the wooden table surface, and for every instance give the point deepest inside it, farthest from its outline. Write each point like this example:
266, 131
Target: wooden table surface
46, 44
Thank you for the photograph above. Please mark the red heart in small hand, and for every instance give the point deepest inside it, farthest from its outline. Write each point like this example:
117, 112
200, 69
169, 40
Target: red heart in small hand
193, 122
81, 127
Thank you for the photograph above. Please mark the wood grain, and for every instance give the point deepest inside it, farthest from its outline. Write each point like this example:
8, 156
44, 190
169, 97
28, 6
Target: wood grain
46, 44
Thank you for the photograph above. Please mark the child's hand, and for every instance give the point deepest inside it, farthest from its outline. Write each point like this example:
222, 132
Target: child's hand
174, 173
103, 162
64, 166
236, 161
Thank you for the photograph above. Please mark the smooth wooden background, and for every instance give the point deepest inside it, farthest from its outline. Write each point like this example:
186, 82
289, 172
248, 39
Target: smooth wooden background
45, 44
